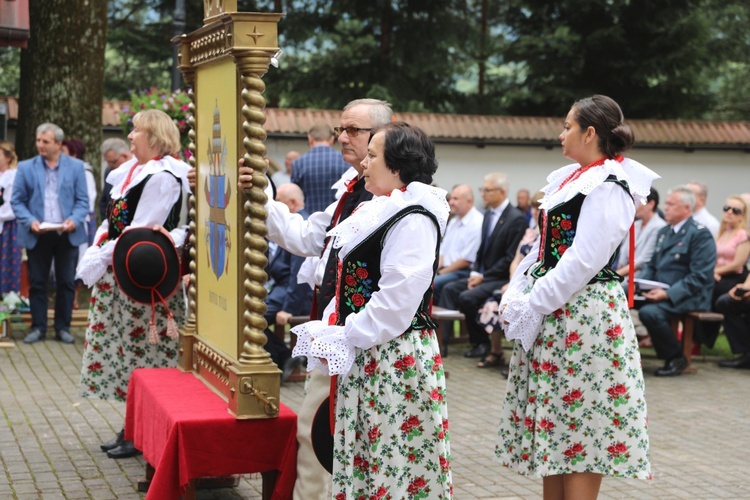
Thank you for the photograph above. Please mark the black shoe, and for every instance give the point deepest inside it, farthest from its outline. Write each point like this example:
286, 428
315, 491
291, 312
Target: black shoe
34, 336
478, 351
504, 373
125, 450
741, 362
114, 443
65, 337
673, 367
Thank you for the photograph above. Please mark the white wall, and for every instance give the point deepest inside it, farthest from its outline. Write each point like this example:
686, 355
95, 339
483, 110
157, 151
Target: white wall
724, 172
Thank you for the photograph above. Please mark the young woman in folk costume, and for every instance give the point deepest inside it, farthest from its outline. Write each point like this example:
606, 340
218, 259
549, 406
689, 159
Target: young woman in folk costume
574, 407
122, 334
390, 415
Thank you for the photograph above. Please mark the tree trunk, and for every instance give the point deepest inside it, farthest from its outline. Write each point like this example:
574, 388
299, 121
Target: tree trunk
62, 73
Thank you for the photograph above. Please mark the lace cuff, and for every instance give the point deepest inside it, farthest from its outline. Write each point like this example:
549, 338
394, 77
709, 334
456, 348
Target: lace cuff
91, 268
521, 321
316, 340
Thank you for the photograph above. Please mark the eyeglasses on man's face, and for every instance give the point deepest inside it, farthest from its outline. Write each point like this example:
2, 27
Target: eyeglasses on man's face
484, 190
350, 131
735, 210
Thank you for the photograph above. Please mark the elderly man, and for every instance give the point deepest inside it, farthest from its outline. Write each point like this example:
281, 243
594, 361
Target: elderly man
308, 238
462, 238
684, 259
286, 297
51, 203
115, 152
502, 229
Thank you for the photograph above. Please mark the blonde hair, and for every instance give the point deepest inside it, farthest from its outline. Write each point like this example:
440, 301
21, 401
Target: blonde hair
743, 222
9, 151
163, 134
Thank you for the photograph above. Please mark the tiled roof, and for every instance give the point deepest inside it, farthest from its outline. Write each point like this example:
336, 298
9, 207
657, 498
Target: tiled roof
485, 129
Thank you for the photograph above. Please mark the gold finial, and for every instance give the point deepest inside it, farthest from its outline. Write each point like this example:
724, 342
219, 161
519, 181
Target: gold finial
213, 8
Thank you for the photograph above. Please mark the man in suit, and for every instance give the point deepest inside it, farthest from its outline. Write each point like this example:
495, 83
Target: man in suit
286, 297
50, 190
502, 229
684, 258
318, 169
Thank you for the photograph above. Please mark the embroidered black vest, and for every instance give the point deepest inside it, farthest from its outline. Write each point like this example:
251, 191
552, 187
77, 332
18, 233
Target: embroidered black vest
120, 212
359, 274
350, 201
558, 227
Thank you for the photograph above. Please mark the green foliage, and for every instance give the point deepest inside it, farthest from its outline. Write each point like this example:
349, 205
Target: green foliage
648, 55
175, 104
10, 75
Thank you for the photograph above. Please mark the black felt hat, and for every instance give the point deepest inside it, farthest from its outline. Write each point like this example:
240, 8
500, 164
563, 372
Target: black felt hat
146, 265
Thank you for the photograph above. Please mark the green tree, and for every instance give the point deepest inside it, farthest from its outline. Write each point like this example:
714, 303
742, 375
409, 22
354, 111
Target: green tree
10, 58
62, 72
649, 55
403, 50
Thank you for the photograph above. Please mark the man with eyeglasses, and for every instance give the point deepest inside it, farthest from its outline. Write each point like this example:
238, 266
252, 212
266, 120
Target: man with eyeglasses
115, 152
502, 230
318, 169
308, 238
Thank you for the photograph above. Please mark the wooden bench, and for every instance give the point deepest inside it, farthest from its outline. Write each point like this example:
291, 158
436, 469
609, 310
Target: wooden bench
79, 319
441, 315
689, 322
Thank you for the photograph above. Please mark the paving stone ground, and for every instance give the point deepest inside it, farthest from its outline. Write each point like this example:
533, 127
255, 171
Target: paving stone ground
49, 438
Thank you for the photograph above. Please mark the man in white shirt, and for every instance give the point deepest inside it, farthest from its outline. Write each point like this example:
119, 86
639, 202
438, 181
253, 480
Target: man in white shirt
701, 215
647, 223
462, 238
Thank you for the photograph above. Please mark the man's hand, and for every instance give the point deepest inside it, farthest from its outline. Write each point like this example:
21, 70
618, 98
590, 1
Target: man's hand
283, 317
656, 295
475, 280
35, 227
738, 292
68, 226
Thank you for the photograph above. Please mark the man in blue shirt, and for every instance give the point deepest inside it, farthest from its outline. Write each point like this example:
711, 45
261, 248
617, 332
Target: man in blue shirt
317, 170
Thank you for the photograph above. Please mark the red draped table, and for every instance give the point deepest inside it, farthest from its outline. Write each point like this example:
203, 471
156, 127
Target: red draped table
185, 431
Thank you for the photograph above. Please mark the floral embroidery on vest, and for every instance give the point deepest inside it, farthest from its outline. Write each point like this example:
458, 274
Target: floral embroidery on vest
357, 285
562, 233
119, 216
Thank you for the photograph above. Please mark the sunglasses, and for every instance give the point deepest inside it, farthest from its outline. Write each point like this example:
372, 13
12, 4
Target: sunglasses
350, 131
735, 210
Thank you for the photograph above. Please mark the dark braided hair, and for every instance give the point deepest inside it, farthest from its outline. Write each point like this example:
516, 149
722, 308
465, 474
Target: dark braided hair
605, 115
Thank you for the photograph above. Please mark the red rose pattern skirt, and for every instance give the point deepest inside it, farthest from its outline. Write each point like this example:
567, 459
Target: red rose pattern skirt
391, 437
116, 340
575, 401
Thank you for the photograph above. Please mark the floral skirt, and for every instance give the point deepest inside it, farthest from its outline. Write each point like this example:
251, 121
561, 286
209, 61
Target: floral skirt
117, 340
391, 436
10, 259
575, 401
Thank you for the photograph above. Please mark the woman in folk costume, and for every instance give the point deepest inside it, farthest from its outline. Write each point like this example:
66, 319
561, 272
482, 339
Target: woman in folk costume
390, 415
574, 406
10, 253
122, 334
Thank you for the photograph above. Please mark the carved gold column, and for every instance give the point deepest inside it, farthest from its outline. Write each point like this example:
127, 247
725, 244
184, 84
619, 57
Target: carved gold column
188, 329
252, 64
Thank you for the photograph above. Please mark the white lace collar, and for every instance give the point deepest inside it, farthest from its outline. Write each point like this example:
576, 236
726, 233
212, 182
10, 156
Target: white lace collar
638, 177
370, 215
117, 177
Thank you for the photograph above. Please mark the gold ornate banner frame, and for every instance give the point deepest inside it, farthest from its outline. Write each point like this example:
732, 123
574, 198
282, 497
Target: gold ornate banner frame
222, 341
